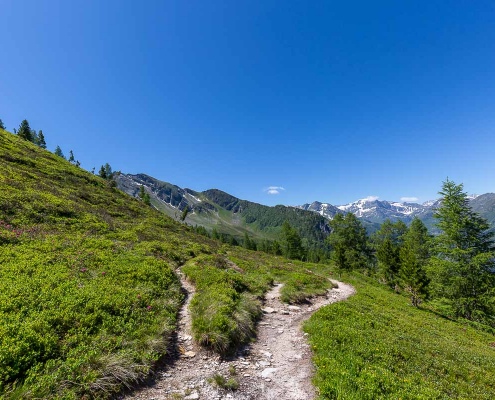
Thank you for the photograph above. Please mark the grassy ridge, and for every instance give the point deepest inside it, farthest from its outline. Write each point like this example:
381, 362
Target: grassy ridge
375, 345
88, 296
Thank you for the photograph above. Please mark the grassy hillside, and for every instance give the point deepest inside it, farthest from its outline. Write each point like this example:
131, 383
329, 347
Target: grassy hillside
88, 292
376, 345
88, 296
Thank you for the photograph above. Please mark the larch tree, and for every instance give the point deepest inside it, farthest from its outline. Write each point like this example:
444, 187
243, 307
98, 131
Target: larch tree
463, 268
388, 241
349, 243
291, 242
102, 172
184, 214
24, 131
59, 153
41, 140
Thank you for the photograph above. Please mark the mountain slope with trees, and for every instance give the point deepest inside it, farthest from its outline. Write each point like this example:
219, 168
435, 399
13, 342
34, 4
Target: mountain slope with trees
215, 209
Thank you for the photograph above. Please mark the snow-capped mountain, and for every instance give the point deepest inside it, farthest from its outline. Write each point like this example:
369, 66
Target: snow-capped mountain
324, 209
377, 210
374, 211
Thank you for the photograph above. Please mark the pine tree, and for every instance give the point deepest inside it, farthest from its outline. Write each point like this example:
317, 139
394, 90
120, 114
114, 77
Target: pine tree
248, 243
147, 199
276, 248
418, 238
41, 140
463, 268
233, 241
78, 164
349, 243
2, 126
214, 234
108, 171
25, 131
412, 274
141, 192
72, 160
58, 152
292, 242
388, 241
184, 214
103, 173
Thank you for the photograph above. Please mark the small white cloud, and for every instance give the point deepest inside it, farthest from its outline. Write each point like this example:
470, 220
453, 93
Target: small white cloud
273, 189
409, 199
371, 198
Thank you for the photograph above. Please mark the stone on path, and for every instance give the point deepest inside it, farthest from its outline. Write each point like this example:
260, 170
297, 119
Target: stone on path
189, 354
267, 372
268, 310
192, 396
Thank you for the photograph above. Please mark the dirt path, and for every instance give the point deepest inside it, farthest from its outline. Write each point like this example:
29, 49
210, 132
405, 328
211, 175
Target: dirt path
276, 366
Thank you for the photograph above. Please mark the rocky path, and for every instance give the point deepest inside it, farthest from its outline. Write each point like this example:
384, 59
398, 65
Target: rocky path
276, 366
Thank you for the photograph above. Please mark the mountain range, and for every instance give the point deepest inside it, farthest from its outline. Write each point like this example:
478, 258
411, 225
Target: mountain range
228, 214
375, 212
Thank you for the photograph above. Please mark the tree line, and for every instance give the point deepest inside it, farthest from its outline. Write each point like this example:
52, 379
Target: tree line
290, 245
456, 266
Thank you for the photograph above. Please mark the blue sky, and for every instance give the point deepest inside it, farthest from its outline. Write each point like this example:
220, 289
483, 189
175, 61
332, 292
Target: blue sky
328, 101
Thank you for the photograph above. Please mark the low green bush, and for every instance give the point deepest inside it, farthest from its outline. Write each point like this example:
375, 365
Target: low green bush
230, 288
375, 345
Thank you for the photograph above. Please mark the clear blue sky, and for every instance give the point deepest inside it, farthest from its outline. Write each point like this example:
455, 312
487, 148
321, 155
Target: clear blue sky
333, 101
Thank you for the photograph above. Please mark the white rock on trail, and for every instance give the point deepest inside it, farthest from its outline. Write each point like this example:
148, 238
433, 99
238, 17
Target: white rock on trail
267, 372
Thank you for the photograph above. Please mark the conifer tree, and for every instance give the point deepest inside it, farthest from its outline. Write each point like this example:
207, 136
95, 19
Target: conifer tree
463, 268
147, 199
184, 214
388, 241
276, 248
248, 243
292, 242
214, 234
233, 241
72, 160
103, 173
2, 126
418, 238
24, 131
58, 152
141, 192
108, 171
41, 140
349, 242
412, 274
